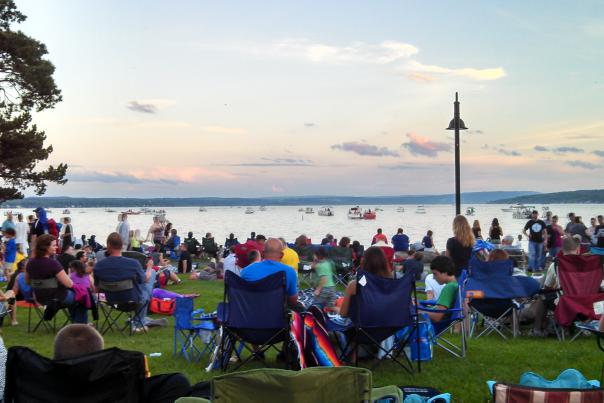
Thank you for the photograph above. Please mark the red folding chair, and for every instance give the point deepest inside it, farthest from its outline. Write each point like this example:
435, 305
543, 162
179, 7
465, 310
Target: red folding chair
580, 277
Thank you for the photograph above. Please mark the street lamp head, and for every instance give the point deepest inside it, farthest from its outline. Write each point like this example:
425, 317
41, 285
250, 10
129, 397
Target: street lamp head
462, 125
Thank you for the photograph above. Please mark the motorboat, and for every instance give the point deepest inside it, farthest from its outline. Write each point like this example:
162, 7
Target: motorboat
309, 210
400, 209
301, 210
470, 211
522, 212
420, 210
202, 210
326, 211
66, 211
110, 210
355, 213
378, 209
131, 212
249, 210
369, 215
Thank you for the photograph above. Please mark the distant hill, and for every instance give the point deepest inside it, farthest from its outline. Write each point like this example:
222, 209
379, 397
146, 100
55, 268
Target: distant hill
61, 202
595, 196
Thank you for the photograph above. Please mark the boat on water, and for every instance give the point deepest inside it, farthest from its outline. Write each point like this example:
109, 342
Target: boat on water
522, 212
249, 210
262, 208
470, 211
400, 209
356, 213
110, 210
326, 211
545, 210
378, 209
420, 210
202, 209
369, 215
66, 211
131, 212
301, 210
507, 210
309, 210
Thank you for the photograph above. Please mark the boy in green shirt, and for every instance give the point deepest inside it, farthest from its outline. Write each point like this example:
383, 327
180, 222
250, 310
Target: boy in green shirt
443, 271
325, 292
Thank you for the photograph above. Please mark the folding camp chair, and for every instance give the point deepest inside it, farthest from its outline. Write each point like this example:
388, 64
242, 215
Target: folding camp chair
497, 296
380, 308
110, 375
453, 316
254, 313
52, 307
580, 277
342, 259
194, 332
305, 272
38, 309
119, 303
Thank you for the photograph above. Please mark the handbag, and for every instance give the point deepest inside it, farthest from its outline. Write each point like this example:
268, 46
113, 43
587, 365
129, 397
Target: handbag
163, 306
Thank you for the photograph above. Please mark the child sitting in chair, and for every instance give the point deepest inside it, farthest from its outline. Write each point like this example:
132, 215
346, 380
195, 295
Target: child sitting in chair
443, 271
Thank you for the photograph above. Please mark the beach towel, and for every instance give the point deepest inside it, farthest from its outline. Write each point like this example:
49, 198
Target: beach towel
312, 342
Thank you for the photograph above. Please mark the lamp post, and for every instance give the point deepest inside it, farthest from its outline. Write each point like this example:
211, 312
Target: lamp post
457, 124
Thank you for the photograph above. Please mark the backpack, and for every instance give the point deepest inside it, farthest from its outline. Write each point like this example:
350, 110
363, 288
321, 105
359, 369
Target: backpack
53, 229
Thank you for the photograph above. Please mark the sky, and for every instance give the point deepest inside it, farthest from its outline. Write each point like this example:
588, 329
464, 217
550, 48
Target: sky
283, 98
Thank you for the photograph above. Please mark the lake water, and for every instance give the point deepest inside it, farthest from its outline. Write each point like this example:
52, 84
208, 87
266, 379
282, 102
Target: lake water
288, 222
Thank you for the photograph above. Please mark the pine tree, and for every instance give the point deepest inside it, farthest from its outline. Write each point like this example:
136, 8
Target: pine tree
26, 85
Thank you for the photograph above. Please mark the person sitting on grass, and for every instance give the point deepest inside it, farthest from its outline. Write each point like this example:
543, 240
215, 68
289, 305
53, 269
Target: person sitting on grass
325, 292
78, 340
443, 271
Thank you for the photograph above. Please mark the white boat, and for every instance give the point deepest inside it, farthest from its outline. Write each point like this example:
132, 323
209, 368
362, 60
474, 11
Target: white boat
301, 209
378, 209
249, 210
110, 210
309, 210
262, 208
507, 210
420, 210
400, 209
66, 211
326, 211
202, 209
522, 212
355, 213
470, 211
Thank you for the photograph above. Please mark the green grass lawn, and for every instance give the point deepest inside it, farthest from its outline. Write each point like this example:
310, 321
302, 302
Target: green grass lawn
487, 358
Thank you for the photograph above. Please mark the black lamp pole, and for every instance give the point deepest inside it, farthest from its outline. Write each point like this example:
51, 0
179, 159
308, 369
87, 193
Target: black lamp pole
457, 124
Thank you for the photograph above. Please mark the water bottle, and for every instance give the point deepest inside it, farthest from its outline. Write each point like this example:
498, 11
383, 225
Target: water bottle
155, 355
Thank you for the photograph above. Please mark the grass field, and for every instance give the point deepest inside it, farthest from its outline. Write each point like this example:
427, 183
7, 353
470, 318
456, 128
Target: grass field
487, 358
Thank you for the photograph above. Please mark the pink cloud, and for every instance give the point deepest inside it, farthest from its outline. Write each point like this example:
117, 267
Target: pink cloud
419, 145
183, 174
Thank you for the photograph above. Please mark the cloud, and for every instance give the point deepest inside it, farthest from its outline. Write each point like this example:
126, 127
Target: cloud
400, 55
150, 106
277, 189
411, 166
562, 150
275, 162
310, 124
583, 164
287, 160
419, 145
365, 149
357, 52
540, 149
105, 177
427, 70
599, 153
511, 153
224, 130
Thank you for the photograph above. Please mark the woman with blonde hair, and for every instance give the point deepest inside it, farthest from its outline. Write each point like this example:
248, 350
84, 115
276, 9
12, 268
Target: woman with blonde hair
459, 247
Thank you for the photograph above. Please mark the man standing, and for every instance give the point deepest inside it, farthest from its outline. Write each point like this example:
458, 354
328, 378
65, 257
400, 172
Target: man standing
123, 228
272, 254
537, 239
8, 223
115, 267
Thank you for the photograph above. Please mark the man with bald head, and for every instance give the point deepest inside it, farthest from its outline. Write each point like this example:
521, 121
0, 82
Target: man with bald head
272, 254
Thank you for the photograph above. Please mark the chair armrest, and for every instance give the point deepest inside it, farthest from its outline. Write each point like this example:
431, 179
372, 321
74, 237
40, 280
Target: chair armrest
424, 309
427, 302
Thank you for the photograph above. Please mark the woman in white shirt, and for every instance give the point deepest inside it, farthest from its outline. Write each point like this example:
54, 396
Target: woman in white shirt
21, 229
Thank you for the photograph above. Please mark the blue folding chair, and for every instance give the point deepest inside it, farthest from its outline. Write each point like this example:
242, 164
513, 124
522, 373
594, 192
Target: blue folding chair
380, 308
254, 313
453, 316
497, 295
194, 331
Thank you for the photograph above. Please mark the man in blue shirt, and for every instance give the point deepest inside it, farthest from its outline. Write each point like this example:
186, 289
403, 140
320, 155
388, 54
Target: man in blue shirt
116, 267
400, 241
273, 252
